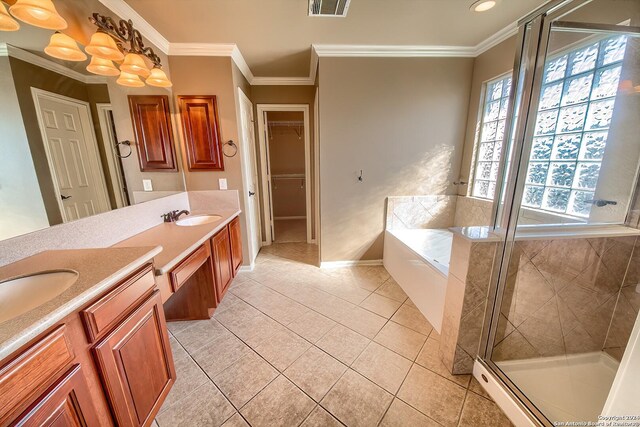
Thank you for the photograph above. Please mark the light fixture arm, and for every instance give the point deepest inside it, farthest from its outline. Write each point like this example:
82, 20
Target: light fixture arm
127, 37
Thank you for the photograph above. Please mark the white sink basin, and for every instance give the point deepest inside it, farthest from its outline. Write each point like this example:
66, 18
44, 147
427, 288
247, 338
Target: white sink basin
17, 296
197, 220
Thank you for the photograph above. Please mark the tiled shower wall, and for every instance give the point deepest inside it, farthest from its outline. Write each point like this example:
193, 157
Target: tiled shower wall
569, 296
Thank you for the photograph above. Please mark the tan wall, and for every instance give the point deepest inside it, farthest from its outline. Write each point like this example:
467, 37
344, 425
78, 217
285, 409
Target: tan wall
212, 76
491, 64
289, 95
397, 119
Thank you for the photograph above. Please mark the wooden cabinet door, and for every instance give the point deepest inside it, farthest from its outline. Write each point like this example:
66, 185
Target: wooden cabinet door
136, 364
152, 125
235, 236
222, 267
201, 132
66, 403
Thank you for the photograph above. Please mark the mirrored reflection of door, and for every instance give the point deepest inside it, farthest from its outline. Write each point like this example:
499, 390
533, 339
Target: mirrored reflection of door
568, 293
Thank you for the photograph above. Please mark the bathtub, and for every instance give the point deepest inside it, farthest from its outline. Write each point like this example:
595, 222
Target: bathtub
418, 259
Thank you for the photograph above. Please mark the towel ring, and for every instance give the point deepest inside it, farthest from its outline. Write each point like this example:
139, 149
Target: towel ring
231, 144
128, 144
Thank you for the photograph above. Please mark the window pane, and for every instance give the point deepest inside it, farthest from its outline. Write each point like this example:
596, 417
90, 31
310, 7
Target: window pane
613, 49
606, 84
561, 174
533, 196
537, 173
492, 111
542, 148
600, 113
495, 91
577, 89
486, 152
587, 176
566, 147
583, 60
593, 145
484, 170
555, 69
580, 203
489, 131
571, 119
551, 96
546, 122
556, 199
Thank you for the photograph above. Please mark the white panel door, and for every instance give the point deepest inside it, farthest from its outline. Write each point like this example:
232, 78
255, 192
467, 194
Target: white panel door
72, 157
250, 172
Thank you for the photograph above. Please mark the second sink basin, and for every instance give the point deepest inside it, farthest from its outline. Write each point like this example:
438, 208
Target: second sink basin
17, 296
198, 220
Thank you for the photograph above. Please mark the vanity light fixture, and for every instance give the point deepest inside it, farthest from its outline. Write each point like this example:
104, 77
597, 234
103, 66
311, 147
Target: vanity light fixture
7, 23
158, 78
103, 46
129, 80
102, 67
39, 13
483, 5
62, 46
134, 64
122, 37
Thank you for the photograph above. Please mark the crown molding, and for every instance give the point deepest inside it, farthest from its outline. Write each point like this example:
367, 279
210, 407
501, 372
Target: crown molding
202, 49
392, 51
283, 81
237, 57
124, 11
497, 38
26, 56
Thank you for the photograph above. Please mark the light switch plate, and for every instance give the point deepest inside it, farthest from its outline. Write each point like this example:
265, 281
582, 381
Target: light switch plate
147, 185
222, 183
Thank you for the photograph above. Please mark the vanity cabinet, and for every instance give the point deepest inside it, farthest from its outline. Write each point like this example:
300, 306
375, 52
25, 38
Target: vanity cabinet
222, 261
235, 236
108, 364
154, 135
201, 129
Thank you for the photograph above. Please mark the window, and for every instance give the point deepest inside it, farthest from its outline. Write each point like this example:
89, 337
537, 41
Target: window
494, 116
574, 114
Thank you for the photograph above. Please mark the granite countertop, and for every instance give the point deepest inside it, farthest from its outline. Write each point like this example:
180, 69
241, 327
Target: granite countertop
178, 241
98, 270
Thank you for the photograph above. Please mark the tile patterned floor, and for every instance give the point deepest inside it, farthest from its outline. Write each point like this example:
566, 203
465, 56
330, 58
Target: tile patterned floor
295, 345
290, 230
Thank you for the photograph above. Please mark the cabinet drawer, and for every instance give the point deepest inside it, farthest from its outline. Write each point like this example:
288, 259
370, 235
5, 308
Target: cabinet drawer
32, 371
188, 266
105, 313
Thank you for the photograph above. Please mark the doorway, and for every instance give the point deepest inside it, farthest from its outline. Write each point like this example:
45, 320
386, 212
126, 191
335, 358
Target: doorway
72, 154
111, 148
285, 147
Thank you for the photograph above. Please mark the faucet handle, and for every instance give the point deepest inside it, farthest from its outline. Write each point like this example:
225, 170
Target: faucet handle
167, 217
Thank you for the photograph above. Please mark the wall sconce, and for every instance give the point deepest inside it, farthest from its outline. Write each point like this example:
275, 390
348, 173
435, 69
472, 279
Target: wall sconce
134, 64
7, 23
62, 46
129, 80
158, 78
102, 67
39, 13
103, 46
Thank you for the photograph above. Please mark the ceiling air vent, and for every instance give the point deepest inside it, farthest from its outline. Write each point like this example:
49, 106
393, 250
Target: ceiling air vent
328, 7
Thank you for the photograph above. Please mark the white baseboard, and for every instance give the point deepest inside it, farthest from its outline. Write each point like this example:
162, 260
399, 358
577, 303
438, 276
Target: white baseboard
360, 263
246, 268
289, 217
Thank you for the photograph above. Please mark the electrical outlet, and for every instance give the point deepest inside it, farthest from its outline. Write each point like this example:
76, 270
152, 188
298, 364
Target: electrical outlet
147, 185
222, 183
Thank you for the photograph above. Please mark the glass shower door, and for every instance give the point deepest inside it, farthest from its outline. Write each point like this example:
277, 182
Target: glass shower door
568, 292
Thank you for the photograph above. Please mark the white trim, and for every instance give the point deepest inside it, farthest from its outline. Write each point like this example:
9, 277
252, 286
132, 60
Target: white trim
264, 161
123, 10
316, 161
247, 268
109, 144
92, 146
202, 49
391, 51
31, 58
282, 81
276, 218
359, 263
497, 38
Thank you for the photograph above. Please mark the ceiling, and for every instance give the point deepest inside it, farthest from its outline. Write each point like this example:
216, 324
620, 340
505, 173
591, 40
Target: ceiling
275, 36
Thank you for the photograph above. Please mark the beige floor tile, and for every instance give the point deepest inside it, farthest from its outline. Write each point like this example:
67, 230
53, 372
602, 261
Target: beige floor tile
199, 334
282, 348
412, 319
391, 289
363, 322
402, 415
311, 326
343, 344
280, 404
430, 359
315, 372
400, 339
369, 278
320, 418
382, 366
356, 401
254, 330
380, 305
434, 396
221, 353
410, 303
245, 378
477, 388
188, 375
204, 406
478, 411
236, 420
340, 288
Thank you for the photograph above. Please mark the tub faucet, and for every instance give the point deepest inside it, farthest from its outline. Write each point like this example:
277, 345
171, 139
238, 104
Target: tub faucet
173, 216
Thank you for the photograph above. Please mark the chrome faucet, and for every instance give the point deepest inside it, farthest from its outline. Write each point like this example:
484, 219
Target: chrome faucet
173, 216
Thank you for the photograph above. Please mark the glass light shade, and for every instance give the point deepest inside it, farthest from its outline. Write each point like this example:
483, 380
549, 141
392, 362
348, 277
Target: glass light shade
102, 67
7, 23
134, 64
62, 46
158, 78
129, 80
39, 13
104, 46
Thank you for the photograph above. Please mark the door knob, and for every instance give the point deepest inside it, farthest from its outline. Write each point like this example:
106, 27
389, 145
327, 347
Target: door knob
251, 193
65, 197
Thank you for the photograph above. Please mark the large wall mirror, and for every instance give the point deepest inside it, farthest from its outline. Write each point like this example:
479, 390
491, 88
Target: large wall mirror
70, 147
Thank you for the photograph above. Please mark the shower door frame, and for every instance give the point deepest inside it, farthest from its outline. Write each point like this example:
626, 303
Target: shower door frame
532, 49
